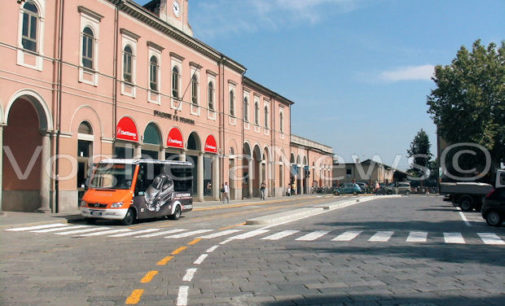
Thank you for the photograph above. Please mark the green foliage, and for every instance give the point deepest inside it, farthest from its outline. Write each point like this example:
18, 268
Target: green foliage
420, 152
468, 104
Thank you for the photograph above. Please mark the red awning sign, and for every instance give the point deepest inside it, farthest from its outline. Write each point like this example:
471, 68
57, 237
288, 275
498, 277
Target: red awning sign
211, 145
175, 139
126, 130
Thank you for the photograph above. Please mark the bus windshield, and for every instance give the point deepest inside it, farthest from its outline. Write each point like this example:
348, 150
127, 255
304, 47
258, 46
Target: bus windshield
112, 176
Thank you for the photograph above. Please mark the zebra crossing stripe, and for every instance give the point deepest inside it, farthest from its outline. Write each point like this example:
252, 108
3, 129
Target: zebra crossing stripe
280, 235
455, 238
347, 236
149, 230
220, 234
20, 229
381, 236
312, 236
81, 231
106, 232
417, 237
491, 238
246, 235
62, 228
184, 235
177, 230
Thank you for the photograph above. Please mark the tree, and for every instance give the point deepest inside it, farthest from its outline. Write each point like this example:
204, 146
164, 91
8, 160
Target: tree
468, 105
420, 153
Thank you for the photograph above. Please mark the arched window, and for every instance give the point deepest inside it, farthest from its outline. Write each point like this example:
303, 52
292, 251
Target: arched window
266, 117
256, 113
30, 18
211, 96
127, 64
153, 78
246, 110
175, 83
232, 103
194, 90
281, 123
85, 128
87, 48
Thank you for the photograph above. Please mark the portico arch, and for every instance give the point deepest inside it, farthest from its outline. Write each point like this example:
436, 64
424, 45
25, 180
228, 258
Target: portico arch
27, 145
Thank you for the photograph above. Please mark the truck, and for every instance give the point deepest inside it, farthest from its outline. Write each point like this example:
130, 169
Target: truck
469, 195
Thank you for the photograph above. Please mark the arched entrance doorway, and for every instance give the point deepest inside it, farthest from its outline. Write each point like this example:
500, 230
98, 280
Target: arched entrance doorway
194, 155
257, 175
85, 140
246, 171
151, 146
26, 146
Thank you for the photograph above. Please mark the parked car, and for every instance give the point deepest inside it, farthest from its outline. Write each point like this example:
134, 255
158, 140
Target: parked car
493, 208
398, 188
363, 186
348, 188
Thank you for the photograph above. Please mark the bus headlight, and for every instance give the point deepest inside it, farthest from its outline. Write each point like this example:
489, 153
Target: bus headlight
117, 205
83, 204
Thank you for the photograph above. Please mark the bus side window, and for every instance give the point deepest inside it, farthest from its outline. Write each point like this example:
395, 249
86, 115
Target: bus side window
140, 187
502, 178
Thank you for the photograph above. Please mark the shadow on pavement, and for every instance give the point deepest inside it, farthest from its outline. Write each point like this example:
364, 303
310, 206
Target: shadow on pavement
388, 300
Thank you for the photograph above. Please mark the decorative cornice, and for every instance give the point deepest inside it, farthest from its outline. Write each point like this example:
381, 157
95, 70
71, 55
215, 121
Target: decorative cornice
135, 10
177, 56
268, 92
129, 33
195, 65
155, 46
81, 9
212, 73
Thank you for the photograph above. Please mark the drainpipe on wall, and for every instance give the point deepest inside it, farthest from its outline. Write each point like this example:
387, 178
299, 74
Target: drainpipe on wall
115, 68
58, 103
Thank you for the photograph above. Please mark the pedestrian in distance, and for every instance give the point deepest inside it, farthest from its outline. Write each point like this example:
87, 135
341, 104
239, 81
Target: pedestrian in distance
263, 191
225, 190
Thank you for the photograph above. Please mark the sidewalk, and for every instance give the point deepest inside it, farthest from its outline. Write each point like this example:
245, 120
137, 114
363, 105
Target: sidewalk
12, 218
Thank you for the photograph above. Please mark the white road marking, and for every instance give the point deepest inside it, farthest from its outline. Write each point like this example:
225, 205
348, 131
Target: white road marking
182, 297
246, 235
463, 217
106, 232
173, 231
149, 230
280, 235
190, 273
312, 236
81, 231
64, 228
200, 259
382, 236
454, 238
212, 249
187, 234
417, 237
347, 236
220, 234
19, 229
491, 238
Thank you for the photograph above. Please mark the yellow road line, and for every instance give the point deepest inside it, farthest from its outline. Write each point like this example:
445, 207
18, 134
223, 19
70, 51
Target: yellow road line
195, 241
148, 277
231, 226
165, 260
134, 298
182, 248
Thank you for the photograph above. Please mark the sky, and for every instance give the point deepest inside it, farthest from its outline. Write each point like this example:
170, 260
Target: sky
359, 71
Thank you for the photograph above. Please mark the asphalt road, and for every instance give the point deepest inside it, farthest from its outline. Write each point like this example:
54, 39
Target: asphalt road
408, 250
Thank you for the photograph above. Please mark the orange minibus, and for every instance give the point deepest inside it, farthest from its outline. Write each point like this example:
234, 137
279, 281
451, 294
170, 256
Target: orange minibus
133, 189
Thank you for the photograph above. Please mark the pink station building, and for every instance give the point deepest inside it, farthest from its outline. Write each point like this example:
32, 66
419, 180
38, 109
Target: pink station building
84, 80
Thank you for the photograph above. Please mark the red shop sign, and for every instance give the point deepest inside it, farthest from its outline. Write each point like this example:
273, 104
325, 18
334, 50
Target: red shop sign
211, 145
126, 130
175, 139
